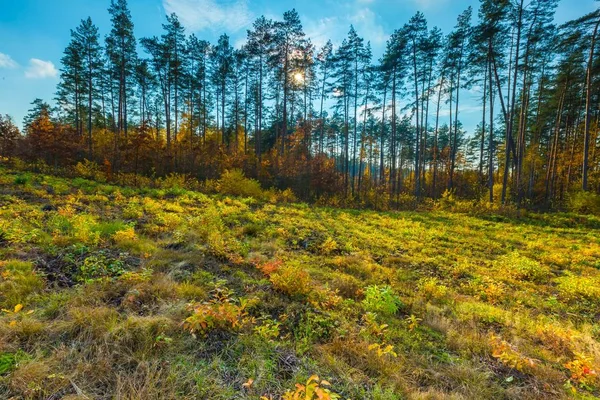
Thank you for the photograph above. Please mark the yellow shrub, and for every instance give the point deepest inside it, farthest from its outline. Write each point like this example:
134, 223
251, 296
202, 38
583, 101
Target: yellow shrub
234, 182
215, 315
575, 288
291, 280
125, 236
17, 281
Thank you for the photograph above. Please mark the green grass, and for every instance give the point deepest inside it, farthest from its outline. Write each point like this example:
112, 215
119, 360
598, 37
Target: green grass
113, 292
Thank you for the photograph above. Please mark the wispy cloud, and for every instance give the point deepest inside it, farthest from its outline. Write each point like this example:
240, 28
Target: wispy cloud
462, 109
7, 62
324, 29
366, 22
198, 15
40, 69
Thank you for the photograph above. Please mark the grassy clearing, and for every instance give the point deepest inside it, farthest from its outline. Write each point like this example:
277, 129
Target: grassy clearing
111, 292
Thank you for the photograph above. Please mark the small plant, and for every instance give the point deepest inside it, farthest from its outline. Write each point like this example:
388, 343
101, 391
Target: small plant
269, 330
291, 280
381, 300
509, 356
412, 322
125, 235
329, 246
100, 266
519, 267
21, 180
313, 389
18, 280
7, 363
270, 267
16, 314
372, 327
583, 371
383, 350
433, 289
573, 288
221, 312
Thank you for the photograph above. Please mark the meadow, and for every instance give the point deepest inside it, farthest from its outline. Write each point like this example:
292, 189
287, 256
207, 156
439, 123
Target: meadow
167, 293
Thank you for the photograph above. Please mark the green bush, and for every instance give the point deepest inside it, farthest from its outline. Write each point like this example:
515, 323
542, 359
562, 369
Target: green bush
381, 300
519, 267
291, 280
233, 182
21, 179
100, 266
584, 203
18, 280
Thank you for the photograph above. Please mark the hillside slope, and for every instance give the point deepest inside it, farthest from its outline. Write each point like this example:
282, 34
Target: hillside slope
113, 292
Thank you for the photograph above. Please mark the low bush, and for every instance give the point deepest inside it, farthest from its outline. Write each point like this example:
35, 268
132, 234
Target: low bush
226, 316
234, 182
520, 267
18, 280
381, 300
291, 280
584, 203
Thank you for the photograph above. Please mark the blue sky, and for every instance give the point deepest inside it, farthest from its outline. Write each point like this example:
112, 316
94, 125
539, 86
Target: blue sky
34, 33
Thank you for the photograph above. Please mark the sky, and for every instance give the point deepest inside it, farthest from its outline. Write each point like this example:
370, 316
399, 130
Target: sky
34, 33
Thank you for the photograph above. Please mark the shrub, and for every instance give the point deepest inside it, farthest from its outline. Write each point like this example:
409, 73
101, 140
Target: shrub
433, 289
21, 179
269, 330
381, 300
90, 170
287, 196
8, 361
329, 246
133, 210
508, 355
126, 235
17, 281
108, 229
577, 288
346, 285
100, 266
520, 267
583, 371
205, 317
313, 389
291, 280
233, 182
584, 203
173, 181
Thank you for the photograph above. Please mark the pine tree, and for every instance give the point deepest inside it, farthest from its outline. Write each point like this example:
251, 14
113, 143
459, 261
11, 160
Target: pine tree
122, 55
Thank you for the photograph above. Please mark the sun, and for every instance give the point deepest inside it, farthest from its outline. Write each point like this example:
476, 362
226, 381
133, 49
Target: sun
299, 77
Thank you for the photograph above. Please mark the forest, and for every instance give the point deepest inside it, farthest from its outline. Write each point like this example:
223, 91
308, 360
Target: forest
332, 124
188, 220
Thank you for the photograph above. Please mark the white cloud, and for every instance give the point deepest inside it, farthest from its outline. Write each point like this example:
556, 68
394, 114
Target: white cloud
324, 29
462, 109
366, 24
7, 62
240, 42
40, 69
197, 15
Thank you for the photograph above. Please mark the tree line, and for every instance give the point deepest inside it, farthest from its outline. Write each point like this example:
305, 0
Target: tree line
332, 121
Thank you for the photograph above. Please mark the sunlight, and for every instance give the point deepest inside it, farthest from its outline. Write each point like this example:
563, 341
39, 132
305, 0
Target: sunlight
299, 77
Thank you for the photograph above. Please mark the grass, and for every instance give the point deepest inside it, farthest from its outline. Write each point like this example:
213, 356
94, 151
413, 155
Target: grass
111, 292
